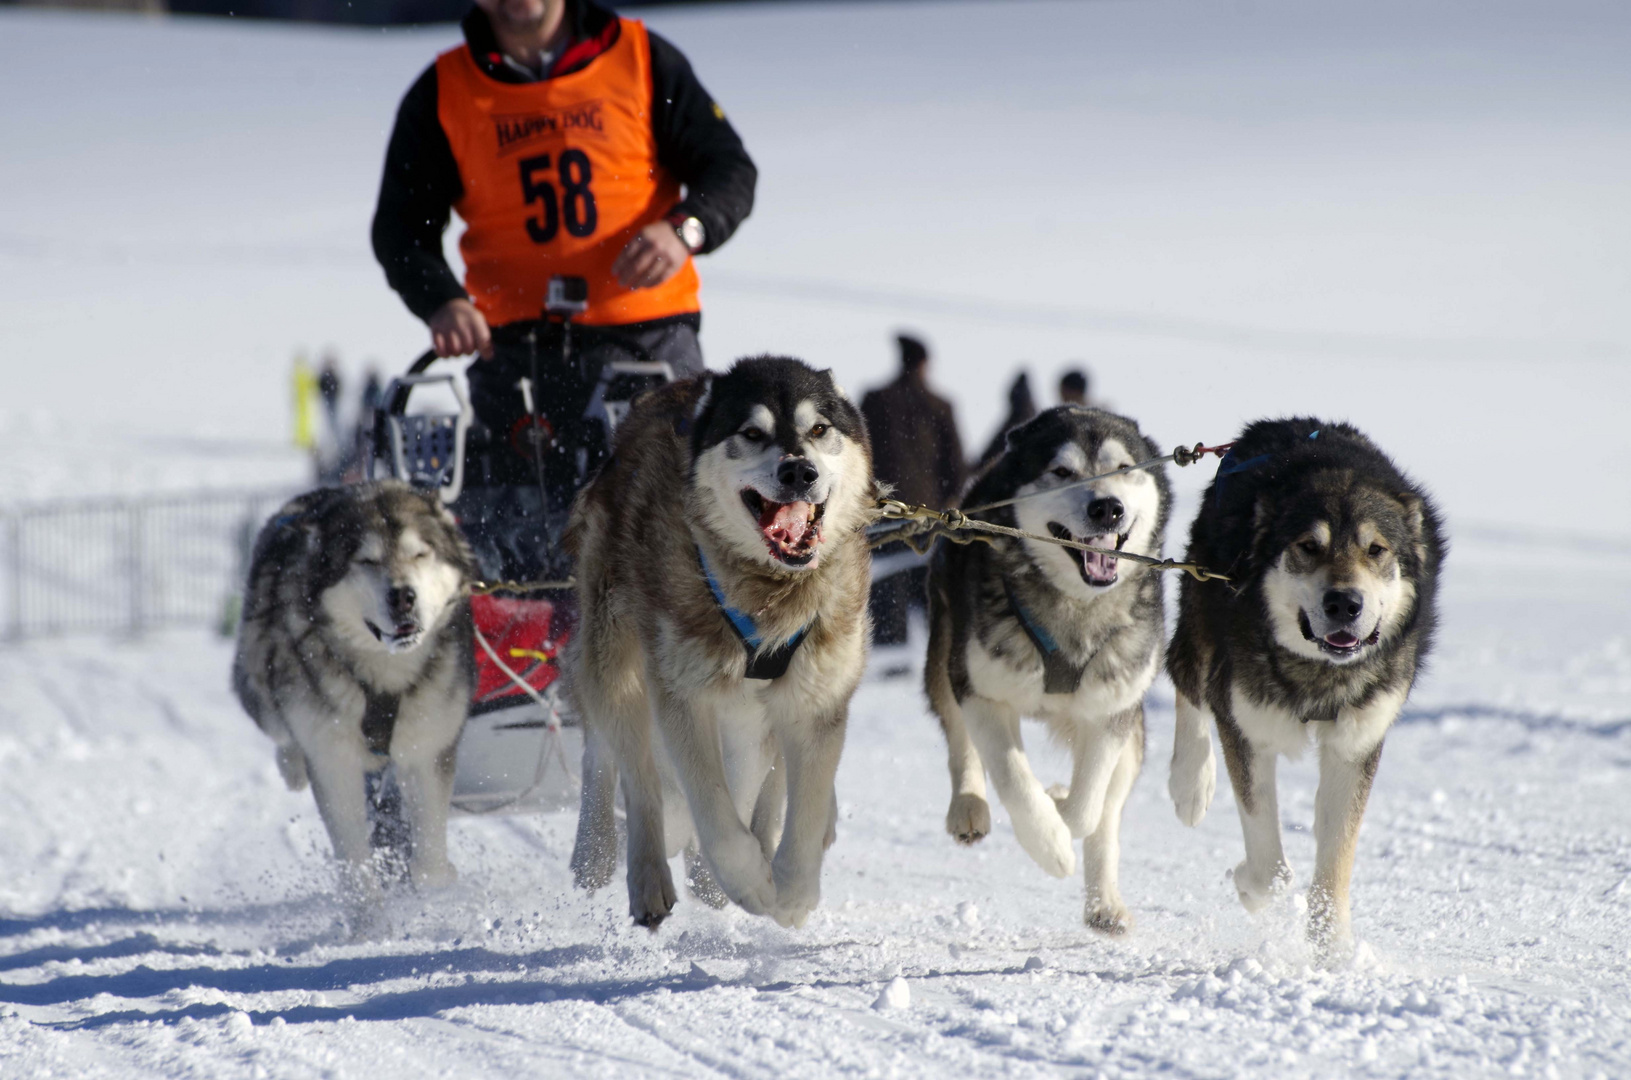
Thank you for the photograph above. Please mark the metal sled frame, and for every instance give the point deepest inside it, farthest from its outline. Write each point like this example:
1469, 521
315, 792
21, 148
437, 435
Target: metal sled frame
427, 449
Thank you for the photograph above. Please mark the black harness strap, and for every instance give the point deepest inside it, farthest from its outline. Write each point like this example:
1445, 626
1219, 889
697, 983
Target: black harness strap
379, 721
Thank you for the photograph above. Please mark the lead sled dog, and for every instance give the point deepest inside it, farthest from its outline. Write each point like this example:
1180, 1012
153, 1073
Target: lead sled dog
1334, 557
723, 574
353, 655
1023, 628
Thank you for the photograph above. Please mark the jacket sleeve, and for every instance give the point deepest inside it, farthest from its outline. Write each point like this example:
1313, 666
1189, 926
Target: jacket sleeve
698, 145
416, 196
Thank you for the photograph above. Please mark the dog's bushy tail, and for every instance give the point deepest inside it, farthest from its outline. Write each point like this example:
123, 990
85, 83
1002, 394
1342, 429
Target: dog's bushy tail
291, 762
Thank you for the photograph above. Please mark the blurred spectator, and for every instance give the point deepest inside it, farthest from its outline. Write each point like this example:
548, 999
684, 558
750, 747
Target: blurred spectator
304, 401
915, 449
373, 395
1073, 386
372, 392
328, 385
331, 449
1021, 407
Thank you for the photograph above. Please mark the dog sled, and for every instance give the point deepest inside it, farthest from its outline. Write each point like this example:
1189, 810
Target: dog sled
511, 492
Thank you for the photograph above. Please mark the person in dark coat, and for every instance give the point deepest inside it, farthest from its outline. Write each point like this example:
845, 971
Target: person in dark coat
916, 450
1021, 407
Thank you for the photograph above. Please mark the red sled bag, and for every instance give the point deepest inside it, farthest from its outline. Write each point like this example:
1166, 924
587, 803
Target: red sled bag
528, 635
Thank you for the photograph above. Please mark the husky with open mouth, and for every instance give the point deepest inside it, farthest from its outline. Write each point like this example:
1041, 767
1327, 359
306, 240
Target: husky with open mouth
354, 654
1334, 558
1024, 628
723, 573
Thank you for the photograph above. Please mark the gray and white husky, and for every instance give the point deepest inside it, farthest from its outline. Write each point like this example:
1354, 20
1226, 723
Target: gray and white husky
1022, 628
1334, 557
354, 653
723, 575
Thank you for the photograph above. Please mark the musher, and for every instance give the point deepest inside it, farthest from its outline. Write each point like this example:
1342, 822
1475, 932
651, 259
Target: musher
562, 134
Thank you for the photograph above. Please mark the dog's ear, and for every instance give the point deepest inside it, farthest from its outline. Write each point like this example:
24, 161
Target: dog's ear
832, 381
837, 387
1415, 522
688, 420
1413, 515
1017, 435
1150, 446
1263, 512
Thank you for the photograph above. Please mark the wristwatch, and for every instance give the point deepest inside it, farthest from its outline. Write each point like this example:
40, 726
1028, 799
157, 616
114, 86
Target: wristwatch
690, 230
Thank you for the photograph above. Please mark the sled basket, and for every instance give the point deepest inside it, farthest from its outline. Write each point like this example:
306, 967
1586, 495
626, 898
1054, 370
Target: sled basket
425, 449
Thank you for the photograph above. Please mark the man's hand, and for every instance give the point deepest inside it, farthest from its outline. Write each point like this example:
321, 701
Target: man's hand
458, 329
654, 255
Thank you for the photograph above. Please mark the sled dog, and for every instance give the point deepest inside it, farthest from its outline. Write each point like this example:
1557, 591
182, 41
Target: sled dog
723, 575
353, 654
1334, 555
1025, 628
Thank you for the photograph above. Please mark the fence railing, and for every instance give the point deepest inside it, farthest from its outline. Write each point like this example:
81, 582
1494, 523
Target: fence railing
125, 565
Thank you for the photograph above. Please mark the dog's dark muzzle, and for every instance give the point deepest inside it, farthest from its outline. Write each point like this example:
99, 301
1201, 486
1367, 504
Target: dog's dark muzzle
400, 600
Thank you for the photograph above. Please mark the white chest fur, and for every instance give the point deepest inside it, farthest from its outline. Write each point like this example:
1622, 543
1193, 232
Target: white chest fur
1104, 691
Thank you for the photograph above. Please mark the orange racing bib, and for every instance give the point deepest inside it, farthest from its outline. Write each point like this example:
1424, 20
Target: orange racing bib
558, 176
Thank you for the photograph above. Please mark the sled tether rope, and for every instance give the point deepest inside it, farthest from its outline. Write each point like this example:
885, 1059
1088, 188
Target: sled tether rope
922, 525
487, 588
552, 724
919, 526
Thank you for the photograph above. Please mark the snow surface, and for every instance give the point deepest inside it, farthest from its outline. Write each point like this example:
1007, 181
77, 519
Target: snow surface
1412, 216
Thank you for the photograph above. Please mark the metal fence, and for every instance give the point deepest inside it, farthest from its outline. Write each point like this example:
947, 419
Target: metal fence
127, 565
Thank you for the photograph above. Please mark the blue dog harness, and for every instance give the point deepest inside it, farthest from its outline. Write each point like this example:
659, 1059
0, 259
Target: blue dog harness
1229, 467
1059, 674
770, 665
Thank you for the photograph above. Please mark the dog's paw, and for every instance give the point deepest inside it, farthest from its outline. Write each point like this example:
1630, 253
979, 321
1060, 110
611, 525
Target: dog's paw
1085, 820
594, 861
1046, 838
700, 883
1330, 932
742, 871
437, 875
796, 897
291, 764
1333, 951
969, 819
651, 893
1258, 889
365, 917
1192, 783
1107, 915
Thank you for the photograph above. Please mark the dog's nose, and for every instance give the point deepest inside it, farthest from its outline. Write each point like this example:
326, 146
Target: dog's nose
1105, 513
797, 472
1343, 605
401, 599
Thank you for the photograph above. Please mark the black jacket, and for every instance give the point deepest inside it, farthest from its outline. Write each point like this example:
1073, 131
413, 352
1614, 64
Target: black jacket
421, 183
915, 445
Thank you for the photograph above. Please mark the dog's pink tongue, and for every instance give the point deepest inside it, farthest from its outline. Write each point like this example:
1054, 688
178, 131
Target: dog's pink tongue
1341, 640
1099, 567
787, 523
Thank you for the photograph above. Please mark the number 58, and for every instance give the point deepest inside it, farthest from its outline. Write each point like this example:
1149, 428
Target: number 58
579, 206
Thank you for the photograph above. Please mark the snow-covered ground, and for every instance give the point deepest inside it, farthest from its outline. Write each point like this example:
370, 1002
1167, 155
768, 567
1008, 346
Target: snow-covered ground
1413, 216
